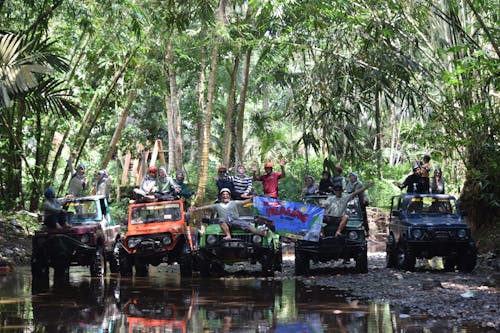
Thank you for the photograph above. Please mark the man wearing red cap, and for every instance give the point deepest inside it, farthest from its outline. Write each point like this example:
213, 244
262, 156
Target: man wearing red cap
270, 179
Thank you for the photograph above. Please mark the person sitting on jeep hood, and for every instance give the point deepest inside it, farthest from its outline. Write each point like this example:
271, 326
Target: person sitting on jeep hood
227, 211
336, 206
52, 209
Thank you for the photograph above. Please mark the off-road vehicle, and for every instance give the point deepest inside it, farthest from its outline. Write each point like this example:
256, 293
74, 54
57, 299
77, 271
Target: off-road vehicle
351, 244
88, 240
157, 232
244, 246
426, 226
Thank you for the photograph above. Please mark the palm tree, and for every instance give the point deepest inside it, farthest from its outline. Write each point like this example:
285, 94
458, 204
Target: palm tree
27, 92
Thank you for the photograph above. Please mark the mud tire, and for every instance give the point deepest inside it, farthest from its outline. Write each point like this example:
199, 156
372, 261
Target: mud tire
301, 263
98, 263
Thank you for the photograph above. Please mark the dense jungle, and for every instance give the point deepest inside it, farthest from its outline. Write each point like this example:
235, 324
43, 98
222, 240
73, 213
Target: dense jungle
370, 85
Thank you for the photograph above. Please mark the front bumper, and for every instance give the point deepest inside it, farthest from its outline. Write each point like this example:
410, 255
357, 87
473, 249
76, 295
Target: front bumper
329, 248
61, 249
234, 250
429, 249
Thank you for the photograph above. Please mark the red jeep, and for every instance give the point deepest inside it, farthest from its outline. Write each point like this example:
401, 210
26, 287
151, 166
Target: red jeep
88, 241
157, 233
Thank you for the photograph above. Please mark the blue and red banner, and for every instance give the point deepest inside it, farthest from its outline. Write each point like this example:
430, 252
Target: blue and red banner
291, 219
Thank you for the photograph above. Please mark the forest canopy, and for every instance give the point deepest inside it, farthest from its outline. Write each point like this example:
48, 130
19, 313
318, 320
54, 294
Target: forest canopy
372, 85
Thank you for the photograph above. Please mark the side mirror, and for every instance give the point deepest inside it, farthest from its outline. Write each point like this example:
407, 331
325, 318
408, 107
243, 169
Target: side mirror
396, 213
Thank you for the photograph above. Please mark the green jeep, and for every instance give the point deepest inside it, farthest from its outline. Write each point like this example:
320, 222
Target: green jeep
351, 244
244, 246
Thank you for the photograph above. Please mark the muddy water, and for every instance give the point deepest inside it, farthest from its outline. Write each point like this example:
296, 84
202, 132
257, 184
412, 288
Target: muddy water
163, 302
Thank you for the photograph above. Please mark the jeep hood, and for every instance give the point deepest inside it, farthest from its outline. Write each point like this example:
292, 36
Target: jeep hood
155, 228
442, 221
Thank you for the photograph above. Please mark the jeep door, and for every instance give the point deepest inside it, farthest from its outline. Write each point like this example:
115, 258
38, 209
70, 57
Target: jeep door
110, 228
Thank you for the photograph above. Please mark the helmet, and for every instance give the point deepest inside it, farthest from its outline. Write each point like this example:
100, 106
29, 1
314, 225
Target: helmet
49, 193
153, 168
416, 166
225, 189
80, 166
268, 165
221, 168
338, 168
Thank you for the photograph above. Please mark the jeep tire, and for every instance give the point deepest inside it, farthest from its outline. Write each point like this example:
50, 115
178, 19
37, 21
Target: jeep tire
449, 263
267, 263
125, 263
186, 266
390, 256
467, 263
362, 262
114, 259
405, 258
141, 269
98, 263
301, 263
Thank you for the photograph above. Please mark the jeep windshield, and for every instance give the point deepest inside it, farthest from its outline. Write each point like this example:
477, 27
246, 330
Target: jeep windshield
83, 211
430, 206
156, 213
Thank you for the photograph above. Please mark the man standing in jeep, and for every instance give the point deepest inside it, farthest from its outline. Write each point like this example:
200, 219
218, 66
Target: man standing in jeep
228, 214
270, 179
336, 206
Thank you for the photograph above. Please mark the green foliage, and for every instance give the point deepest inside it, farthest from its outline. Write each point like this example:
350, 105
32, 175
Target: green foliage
119, 210
27, 221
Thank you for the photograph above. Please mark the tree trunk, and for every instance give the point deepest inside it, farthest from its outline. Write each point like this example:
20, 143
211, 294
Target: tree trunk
169, 109
176, 116
378, 126
121, 122
207, 118
228, 127
201, 103
91, 117
241, 109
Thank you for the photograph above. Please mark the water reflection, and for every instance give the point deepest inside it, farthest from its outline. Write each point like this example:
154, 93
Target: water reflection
163, 302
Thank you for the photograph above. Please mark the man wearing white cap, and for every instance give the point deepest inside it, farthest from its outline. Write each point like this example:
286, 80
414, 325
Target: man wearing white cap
227, 210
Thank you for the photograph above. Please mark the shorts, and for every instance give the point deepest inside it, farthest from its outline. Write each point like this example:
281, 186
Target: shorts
238, 224
332, 219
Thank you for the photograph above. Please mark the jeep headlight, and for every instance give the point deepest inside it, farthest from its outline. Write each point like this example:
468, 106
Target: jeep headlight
167, 240
211, 239
85, 238
352, 235
416, 233
257, 239
132, 242
461, 233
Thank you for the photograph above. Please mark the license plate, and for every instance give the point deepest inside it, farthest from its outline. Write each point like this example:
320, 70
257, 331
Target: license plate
234, 244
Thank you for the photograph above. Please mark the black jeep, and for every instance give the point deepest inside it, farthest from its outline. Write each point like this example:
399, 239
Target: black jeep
88, 240
351, 244
426, 226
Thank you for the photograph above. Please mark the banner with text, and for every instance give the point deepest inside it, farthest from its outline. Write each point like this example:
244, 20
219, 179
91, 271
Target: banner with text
291, 219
